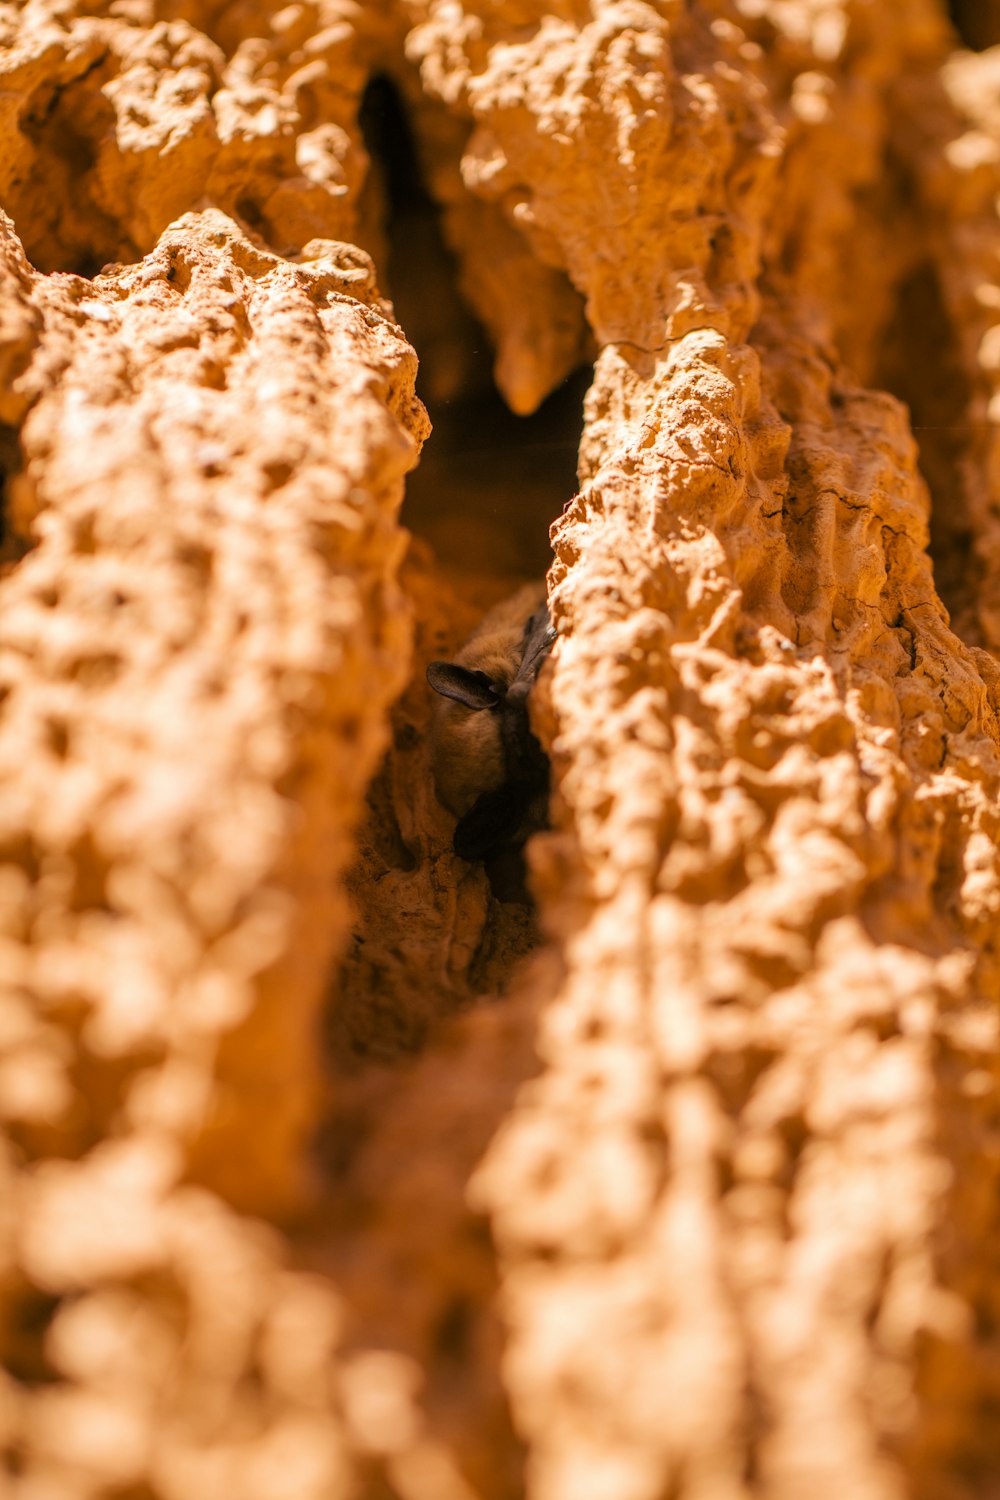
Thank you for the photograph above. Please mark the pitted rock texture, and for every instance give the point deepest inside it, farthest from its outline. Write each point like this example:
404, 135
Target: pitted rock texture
319, 1182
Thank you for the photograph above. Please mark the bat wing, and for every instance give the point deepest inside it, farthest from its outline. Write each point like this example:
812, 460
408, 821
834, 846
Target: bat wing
493, 821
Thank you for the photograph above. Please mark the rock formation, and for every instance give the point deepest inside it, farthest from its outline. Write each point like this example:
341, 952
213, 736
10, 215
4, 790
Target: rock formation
327, 1173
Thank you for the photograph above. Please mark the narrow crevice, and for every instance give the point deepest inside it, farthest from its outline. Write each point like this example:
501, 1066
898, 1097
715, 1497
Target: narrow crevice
977, 22
434, 933
430, 1027
26, 1320
922, 365
6, 521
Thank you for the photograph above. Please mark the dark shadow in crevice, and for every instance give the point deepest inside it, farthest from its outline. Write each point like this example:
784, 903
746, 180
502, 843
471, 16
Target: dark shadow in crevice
14, 544
389, 140
416, 267
489, 482
492, 483
977, 22
921, 364
50, 201
24, 1326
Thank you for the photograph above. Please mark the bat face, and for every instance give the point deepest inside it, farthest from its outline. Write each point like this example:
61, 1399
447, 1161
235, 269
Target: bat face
489, 769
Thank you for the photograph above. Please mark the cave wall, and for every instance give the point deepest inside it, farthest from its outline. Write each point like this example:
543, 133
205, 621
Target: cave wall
326, 1172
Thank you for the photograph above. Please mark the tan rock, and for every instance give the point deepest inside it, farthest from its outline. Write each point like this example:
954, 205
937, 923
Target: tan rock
315, 1183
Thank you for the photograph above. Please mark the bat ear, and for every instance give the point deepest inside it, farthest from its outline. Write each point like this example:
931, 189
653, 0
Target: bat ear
473, 689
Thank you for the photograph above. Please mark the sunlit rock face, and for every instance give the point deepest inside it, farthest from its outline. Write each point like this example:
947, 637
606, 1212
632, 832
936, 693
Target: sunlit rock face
330, 1168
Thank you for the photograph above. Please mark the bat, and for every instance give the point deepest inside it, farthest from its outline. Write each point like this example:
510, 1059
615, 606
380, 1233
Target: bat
489, 769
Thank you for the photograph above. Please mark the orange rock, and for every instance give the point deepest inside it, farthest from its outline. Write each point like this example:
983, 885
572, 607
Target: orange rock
325, 1172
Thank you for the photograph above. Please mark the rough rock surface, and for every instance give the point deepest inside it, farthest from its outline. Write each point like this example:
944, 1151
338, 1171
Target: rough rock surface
325, 1172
